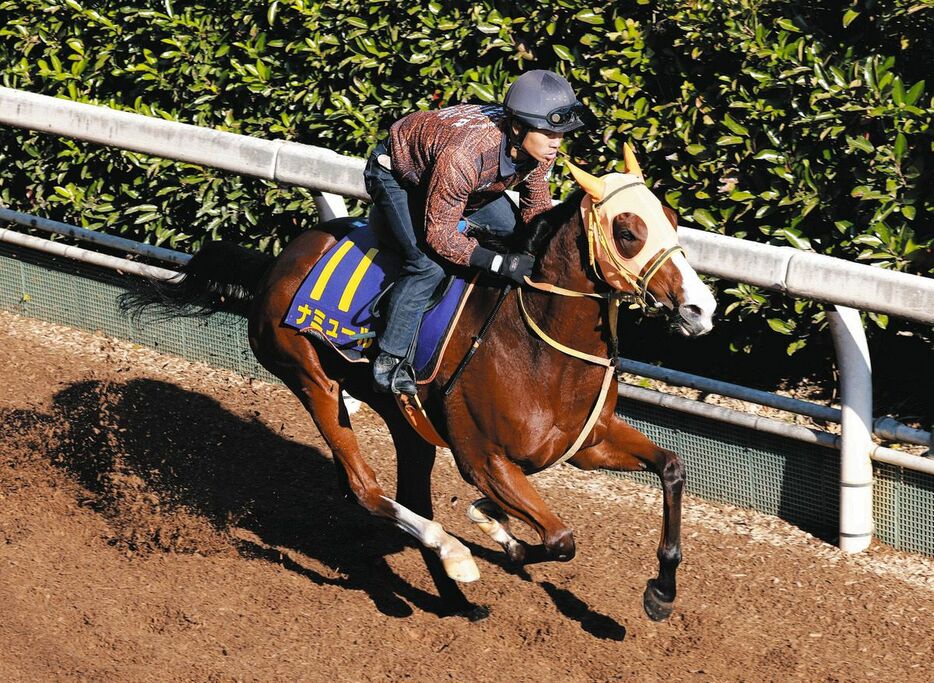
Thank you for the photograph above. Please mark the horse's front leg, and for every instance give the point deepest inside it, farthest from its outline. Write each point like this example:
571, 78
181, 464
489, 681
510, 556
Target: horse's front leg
510, 491
626, 449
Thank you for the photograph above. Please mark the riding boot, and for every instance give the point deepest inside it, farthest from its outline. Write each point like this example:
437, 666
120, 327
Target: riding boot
393, 375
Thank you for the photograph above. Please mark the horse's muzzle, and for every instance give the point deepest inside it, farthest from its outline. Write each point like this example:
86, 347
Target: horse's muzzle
693, 321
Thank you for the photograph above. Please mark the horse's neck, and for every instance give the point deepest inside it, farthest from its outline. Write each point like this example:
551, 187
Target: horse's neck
564, 262
579, 319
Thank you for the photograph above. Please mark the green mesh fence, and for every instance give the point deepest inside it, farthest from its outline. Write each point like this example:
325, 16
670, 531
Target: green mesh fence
903, 513
68, 292
730, 464
778, 476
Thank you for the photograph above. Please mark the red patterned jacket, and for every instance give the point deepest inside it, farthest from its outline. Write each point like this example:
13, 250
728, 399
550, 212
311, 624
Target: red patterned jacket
453, 156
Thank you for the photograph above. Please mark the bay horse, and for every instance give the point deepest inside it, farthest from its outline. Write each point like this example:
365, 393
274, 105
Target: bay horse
534, 394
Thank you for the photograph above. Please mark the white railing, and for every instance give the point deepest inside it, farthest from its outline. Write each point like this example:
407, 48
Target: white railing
798, 273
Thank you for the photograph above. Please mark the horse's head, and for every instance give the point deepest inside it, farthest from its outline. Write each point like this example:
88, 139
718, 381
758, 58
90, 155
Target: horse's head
633, 246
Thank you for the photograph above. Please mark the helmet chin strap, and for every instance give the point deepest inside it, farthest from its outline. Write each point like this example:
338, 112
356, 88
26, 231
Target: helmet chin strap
515, 141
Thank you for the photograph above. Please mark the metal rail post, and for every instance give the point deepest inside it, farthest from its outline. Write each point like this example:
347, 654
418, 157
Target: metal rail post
849, 339
330, 206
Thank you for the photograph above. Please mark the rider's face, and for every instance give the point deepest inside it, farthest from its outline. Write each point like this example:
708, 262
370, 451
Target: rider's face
542, 145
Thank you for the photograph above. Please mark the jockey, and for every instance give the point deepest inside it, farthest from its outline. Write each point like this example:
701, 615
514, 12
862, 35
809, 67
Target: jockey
439, 166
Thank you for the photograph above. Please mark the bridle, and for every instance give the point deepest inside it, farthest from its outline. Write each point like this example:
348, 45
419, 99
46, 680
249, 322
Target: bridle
629, 196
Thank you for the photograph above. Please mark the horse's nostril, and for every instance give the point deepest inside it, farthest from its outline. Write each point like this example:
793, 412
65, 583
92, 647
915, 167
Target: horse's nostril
690, 311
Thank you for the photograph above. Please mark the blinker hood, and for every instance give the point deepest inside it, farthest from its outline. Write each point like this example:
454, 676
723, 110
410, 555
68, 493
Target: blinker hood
609, 196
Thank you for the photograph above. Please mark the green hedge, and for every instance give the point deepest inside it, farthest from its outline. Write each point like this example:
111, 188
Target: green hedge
770, 120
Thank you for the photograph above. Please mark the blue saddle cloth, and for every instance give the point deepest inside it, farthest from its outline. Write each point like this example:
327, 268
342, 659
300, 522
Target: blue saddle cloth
334, 300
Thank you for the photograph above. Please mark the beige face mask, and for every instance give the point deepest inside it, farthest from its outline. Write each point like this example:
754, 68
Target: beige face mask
609, 196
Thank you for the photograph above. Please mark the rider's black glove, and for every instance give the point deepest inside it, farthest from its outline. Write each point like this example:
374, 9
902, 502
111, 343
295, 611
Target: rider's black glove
512, 266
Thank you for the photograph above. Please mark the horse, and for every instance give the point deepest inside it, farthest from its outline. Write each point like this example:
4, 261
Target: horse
535, 393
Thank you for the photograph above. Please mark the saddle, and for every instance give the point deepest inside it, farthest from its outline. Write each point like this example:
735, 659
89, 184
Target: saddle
338, 301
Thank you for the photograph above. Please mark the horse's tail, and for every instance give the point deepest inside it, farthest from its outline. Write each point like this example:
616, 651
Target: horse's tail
220, 276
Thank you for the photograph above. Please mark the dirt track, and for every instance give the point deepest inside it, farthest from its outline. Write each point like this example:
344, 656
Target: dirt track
161, 521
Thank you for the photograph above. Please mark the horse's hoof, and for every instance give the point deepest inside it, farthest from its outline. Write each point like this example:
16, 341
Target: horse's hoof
461, 569
516, 553
656, 607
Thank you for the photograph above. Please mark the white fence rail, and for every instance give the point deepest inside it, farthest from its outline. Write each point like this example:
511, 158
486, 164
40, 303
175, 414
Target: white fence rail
795, 272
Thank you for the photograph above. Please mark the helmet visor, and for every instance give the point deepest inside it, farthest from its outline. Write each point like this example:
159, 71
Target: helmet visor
560, 120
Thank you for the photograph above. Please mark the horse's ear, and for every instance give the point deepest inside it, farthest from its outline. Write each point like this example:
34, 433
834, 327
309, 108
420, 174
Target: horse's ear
592, 185
632, 166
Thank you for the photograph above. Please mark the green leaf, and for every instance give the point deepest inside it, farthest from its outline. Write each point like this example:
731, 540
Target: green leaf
901, 144
695, 149
589, 16
914, 93
795, 346
781, 326
770, 155
484, 92
859, 143
880, 319
705, 218
848, 18
734, 126
563, 52
795, 239
898, 92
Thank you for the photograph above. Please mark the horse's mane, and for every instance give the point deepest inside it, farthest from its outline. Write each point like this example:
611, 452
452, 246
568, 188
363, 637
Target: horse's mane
534, 238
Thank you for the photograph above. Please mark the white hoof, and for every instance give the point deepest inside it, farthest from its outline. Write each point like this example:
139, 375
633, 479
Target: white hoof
461, 569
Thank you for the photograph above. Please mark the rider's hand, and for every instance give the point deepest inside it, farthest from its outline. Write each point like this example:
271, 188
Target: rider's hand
512, 266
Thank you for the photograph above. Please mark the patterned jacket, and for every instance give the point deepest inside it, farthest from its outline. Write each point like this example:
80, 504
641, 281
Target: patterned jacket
453, 156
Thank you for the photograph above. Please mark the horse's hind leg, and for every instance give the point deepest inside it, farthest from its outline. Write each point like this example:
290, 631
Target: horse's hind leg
415, 460
321, 396
627, 449
495, 523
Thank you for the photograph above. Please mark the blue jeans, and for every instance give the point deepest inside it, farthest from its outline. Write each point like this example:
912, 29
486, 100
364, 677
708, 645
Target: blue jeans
500, 216
420, 275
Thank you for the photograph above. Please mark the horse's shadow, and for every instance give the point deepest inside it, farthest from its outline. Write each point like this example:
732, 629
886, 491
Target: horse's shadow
595, 623
196, 456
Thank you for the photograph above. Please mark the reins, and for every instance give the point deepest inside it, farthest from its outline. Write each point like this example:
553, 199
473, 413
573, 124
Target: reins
614, 298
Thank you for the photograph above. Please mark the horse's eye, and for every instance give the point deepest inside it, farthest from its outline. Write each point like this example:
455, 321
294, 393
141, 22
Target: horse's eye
626, 235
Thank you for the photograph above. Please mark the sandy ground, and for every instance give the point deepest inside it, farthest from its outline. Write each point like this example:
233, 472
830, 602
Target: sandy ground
165, 521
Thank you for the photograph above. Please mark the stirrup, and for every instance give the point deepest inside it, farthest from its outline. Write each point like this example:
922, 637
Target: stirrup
402, 379
398, 379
